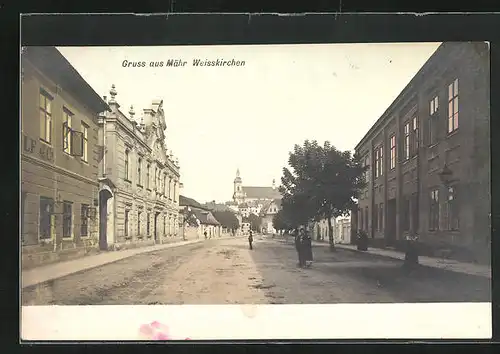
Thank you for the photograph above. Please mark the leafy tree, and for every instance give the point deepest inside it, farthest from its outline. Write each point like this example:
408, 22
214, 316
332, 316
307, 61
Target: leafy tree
323, 183
280, 222
255, 222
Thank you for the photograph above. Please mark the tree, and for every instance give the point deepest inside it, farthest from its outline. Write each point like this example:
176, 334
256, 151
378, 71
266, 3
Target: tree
323, 182
280, 222
255, 222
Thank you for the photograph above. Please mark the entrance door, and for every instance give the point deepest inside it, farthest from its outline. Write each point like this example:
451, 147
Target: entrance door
390, 231
104, 195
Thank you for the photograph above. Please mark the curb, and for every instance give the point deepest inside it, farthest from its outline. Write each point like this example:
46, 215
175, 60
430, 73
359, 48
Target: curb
174, 245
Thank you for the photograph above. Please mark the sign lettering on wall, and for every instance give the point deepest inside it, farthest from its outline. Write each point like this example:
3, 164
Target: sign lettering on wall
44, 151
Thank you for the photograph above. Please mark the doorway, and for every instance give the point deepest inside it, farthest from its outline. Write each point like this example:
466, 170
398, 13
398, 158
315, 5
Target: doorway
156, 228
390, 232
104, 195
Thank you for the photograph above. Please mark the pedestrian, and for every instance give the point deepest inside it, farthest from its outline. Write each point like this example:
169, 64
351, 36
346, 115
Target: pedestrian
300, 247
250, 240
205, 233
307, 245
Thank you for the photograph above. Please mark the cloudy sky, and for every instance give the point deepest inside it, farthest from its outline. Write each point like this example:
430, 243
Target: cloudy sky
249, 117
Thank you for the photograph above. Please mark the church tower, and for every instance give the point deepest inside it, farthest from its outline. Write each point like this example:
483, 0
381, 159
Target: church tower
238, 196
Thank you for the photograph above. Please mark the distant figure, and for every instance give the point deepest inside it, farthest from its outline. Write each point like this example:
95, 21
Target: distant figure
300, 247
250, 240
307, 249
205, 233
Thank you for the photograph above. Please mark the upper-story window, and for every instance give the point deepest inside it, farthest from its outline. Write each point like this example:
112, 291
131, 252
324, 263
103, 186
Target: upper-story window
45, 117
393, 152
85, 131
379, 161
414, 136
406, 141
453, 106
164, 184
433, 120
67, 119
139, 171
148, 168
127, 161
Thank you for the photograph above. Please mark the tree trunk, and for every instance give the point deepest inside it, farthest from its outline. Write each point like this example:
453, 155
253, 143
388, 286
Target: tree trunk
330, 233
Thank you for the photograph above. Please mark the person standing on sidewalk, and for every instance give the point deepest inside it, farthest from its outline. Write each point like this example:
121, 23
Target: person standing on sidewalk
250, 240
299, 245
307, 245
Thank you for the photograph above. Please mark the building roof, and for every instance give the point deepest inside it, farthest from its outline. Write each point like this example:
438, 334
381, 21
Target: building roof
266, 207
205, 216
226, 218
53, 64
185, 201
261, 192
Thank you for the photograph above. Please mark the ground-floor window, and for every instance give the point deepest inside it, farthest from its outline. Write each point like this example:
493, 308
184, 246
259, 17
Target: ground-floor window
148, 224
375, 218
84, 220
452, 216
434, 209
366, 218
164, 225
67, 219
126, 222
46, 219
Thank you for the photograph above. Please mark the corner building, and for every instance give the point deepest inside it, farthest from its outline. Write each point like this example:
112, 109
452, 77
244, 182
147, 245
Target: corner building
429, 156
139, 181
59, 159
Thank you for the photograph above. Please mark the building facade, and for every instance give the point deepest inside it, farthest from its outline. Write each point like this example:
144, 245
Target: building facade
59, 159
428, 155
268, 211
139, 180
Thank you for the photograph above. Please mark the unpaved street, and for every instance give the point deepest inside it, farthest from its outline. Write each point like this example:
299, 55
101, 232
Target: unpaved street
227, 272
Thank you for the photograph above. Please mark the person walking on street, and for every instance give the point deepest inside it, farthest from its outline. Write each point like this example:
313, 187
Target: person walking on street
307, 244
250, 240
300, 247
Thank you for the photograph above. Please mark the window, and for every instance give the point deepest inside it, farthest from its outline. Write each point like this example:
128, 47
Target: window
126, 222
452, 217
415, 212
84, 220
127, 158
67, 118
165, 185
139, 172
453, 106
67, 219
45, 117
433, 120
154, 179
46, 217
170, 188
381, 217
148, 229
147, 176
434, 210
379, 161
393, 152
414, 136
375, 218
164, 225
138, 223
406, 142
85, 131
405, 222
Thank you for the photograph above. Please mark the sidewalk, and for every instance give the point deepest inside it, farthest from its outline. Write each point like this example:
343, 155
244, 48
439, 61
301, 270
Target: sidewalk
53, 271
445, 264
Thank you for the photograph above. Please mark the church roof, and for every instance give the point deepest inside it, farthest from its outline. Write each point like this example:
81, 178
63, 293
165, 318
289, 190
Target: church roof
261, 192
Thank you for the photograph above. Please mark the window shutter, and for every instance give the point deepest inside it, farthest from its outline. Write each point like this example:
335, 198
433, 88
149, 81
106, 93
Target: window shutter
76, 143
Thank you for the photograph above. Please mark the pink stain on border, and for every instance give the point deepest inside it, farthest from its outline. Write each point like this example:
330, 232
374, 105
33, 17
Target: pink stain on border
156, 331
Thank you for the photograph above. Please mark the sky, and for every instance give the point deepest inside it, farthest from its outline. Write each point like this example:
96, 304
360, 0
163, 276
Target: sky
250, 117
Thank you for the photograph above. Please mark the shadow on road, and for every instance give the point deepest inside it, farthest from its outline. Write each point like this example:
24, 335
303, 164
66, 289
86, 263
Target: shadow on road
345, 276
